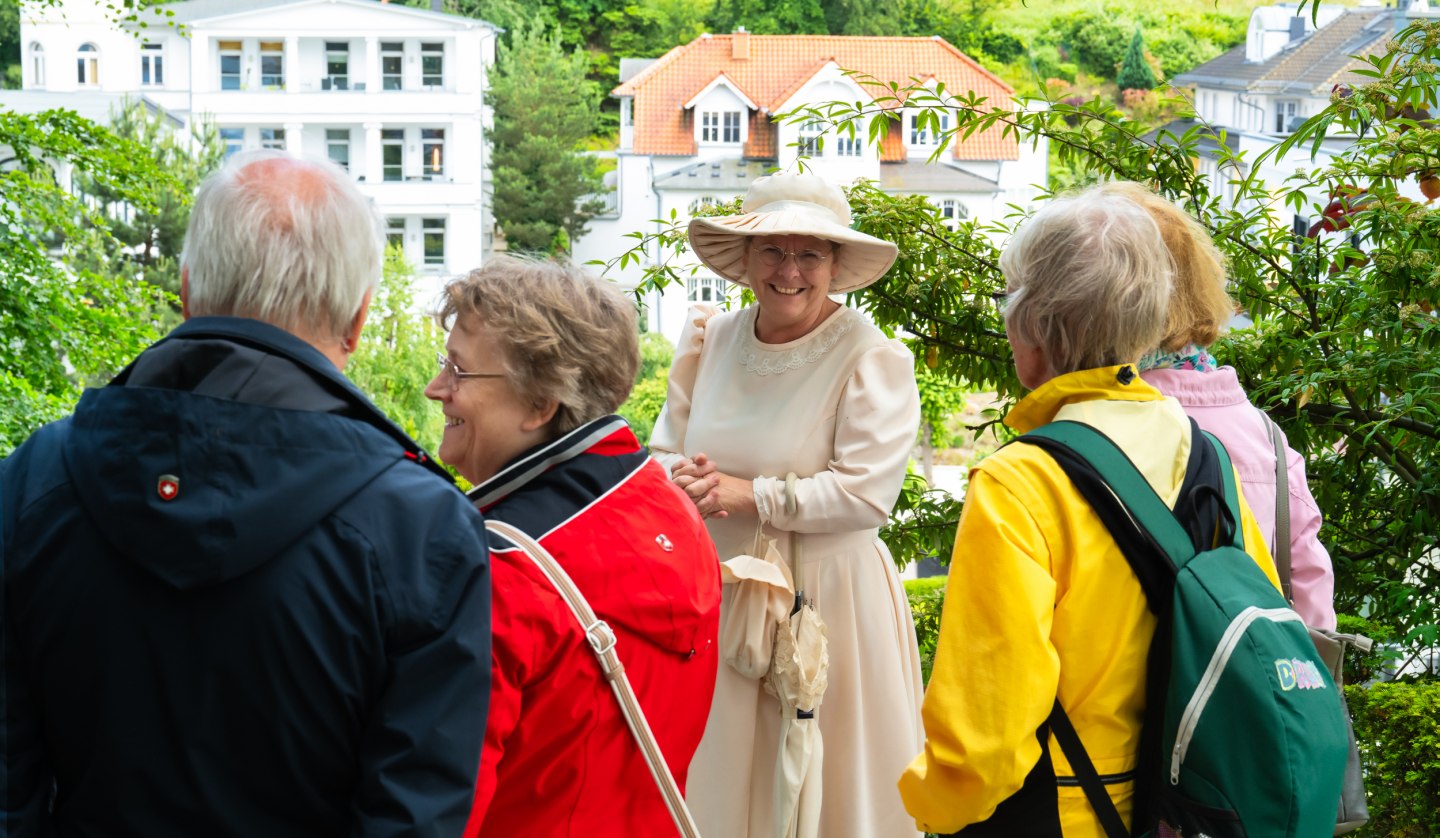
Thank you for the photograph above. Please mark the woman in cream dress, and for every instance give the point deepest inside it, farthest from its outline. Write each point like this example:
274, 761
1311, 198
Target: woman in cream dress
800, 384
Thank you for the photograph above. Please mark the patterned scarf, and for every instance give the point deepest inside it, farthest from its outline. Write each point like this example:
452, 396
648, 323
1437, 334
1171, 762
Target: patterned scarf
1190, 357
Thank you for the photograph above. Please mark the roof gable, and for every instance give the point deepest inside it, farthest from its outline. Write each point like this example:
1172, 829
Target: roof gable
779, 66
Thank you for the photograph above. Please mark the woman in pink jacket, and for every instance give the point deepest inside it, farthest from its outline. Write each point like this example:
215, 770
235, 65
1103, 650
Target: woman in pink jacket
1183, 369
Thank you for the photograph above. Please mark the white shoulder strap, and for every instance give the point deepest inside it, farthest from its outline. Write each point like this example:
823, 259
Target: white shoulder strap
602, 643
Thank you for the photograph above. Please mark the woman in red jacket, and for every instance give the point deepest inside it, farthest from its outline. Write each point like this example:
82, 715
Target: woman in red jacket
538, 358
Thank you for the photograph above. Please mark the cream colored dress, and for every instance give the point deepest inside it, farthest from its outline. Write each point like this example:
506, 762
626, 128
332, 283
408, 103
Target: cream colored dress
839, 408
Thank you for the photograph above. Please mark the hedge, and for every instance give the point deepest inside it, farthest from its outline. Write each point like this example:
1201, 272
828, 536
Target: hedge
1397, 726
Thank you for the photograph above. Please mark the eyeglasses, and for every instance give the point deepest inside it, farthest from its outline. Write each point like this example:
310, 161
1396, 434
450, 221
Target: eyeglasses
1000, 298
806, 260
454, 374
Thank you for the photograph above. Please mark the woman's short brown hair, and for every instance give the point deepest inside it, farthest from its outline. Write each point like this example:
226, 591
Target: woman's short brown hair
1200, 307
565, 335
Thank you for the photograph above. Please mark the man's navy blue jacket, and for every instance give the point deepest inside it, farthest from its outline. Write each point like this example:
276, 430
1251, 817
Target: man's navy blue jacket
238, 601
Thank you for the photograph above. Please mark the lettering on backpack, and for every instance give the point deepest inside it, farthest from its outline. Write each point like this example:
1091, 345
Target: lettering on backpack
1297, 674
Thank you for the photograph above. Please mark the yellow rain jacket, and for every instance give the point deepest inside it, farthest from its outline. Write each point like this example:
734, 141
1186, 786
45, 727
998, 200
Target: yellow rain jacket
1041, 603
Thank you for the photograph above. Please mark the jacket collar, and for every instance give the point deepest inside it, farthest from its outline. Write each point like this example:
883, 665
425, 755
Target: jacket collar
543, 457
1117, 383
277, 341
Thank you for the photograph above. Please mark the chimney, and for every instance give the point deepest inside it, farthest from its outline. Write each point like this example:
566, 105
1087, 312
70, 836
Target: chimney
740, 44
1297, 28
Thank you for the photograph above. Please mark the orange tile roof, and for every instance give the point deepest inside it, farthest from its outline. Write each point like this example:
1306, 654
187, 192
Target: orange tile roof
777, 68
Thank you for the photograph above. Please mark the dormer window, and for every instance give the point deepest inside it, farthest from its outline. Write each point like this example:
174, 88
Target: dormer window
922, 133
720, 127
87, 65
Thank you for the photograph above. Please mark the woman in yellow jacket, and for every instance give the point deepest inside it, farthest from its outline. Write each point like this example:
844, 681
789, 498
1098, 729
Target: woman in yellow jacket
1040, 602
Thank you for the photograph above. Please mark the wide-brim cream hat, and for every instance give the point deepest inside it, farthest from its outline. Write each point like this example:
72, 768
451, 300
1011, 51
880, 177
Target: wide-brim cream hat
798, 204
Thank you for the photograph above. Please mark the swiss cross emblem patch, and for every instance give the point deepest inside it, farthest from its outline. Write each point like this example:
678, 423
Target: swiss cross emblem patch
168, 488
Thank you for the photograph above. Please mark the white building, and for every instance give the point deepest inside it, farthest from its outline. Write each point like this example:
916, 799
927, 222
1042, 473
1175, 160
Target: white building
698, 126
392, 93
1284, 73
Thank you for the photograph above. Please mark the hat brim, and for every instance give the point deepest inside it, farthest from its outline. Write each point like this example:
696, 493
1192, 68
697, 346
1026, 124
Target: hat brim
720, 243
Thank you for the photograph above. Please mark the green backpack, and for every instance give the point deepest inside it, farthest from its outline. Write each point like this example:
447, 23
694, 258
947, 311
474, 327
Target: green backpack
1243, 733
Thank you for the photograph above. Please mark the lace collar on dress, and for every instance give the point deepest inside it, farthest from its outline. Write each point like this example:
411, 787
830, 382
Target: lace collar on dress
762, 359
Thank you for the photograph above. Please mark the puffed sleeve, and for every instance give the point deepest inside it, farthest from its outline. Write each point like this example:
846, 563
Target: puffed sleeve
996, 671
1312, 577
875, 427
667, 440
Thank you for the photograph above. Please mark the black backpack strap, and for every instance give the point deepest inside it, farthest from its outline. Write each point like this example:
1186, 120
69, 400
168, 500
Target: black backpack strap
1085, 772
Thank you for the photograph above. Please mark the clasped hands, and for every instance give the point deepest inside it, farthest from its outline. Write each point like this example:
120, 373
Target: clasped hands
714, 493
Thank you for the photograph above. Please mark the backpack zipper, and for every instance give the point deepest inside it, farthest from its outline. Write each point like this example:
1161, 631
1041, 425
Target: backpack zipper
1190, 719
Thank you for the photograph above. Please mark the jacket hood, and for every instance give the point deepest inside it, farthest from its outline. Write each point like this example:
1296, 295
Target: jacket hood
191, 470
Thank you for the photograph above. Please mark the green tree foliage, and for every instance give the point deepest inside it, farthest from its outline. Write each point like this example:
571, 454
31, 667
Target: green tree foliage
146, 241
1345, 343
544, 108
62, 327
771, 17
396, 356
1135, 72
9, 45
651, 381
1398, 729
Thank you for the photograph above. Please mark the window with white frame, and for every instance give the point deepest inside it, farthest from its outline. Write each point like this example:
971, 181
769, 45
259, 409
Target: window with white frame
720, 127
337, 65
702, 202
229, 65
923, 129
395, 233
87, 65
1285, 111
392, 65
731, 133
152, 65
849, 146
392, 153
810, 134
337, 146
272, 65
952, 211
705, 289
432, 153
234, 140
432, 65
432, 234
273, 138
37, 65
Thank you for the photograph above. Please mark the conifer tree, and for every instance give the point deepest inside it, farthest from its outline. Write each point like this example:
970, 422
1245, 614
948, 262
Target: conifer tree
1135, 72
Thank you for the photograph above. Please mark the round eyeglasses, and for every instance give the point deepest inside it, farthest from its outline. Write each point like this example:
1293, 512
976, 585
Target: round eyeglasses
453, 374
806, 260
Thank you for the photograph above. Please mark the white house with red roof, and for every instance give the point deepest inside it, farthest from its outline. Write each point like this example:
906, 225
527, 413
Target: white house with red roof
698, 125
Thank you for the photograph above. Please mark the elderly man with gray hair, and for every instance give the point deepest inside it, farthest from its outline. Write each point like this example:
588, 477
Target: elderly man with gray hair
238, 599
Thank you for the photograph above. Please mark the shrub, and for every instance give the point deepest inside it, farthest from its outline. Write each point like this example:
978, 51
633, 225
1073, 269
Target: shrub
1397, 727
643, 407
927, 597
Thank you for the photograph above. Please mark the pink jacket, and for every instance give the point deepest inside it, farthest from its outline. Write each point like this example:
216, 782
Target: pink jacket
1220, 406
